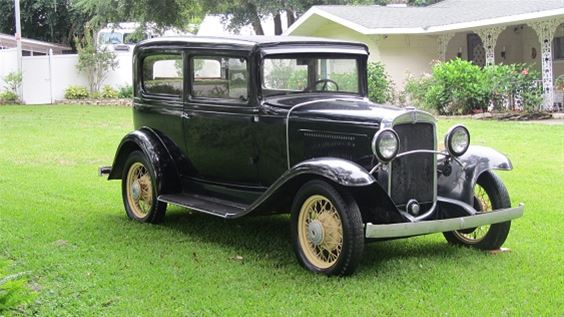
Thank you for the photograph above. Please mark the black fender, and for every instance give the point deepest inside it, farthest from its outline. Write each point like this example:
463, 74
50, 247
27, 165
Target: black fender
374, 202
459, 184
152, 144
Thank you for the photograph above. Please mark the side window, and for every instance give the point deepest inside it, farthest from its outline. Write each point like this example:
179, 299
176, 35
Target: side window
219, 77
163, 75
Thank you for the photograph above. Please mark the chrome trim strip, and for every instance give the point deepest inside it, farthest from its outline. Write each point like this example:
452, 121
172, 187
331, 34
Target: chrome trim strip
421, 151
408, 229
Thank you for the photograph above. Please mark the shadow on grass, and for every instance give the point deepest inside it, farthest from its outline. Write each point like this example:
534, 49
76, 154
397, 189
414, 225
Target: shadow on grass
268, 237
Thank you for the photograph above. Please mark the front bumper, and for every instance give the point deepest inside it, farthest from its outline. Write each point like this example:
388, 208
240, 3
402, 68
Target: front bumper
397, 230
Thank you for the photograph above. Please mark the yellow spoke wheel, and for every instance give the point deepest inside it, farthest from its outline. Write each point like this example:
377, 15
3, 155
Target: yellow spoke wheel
327, 229
320, 231
139, 190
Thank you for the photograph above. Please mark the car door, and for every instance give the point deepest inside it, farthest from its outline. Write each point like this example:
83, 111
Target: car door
218, 119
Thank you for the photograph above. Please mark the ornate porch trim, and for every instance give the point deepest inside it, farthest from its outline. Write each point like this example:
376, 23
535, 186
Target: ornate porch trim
545, 31
489, 38
442, 41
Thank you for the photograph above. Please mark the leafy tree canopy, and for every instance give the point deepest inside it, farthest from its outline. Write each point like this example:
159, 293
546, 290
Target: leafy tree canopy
60, 21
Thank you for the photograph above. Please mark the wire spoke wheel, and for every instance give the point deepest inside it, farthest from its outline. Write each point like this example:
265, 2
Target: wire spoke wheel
139, 190
489, 195
483, 204
320, 231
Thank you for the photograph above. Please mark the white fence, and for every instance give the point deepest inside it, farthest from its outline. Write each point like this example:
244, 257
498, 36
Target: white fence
45, 78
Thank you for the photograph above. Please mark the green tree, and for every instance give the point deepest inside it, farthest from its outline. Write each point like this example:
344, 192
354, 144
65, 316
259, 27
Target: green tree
163, 13
245, 12
46, 20
95, 63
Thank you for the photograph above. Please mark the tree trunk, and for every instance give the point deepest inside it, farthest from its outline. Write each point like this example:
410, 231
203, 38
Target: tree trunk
255, 19
290, 16
277, 24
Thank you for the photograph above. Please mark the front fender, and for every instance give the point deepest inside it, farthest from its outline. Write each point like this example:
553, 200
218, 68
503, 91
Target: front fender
339, 171
152, 145
459, 184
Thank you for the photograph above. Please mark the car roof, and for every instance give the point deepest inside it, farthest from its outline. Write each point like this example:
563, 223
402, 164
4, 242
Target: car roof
248, 42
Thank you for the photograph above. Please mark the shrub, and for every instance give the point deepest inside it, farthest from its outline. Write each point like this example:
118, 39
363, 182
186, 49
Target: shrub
380, 87
507, 82
125, 91
9, 97
108, 92
76, 92
13, 292
460, 87
13, 81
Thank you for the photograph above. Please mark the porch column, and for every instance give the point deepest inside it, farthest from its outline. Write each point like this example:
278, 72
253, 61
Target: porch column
489, 39
442, 41
545, 31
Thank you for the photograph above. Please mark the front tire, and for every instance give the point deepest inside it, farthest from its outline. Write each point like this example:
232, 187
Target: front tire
139, 190
327, 229
489, 194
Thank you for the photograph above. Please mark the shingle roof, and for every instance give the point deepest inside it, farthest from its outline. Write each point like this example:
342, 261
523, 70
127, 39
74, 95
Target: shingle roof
447, 12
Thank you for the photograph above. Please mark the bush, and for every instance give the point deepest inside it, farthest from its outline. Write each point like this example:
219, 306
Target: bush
13, 292
108, 92
380, 87
76, 92
460, 87
9, 97
125, 92
13, 81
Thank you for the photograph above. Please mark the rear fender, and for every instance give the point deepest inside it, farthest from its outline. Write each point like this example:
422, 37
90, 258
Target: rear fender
153, 146
459, 184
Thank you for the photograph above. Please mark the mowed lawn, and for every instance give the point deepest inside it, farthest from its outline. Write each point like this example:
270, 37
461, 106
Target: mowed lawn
67, 226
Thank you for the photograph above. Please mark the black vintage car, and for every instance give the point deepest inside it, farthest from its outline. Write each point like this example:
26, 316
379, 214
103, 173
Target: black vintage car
258, 125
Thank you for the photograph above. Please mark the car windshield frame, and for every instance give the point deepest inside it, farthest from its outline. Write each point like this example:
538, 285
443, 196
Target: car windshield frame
317, 56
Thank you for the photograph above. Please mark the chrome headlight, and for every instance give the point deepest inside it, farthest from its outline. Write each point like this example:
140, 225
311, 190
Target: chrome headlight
457, 140
385, 145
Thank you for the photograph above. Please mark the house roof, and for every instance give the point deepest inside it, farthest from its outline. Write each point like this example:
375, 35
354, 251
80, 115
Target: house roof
7, 40
444, 16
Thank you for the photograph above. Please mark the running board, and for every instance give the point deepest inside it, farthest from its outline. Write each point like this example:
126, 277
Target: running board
208, 205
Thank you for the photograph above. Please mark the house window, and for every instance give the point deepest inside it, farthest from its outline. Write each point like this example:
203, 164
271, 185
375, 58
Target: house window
559, 47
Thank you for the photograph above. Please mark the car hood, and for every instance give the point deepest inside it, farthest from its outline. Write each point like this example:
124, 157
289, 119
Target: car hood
340, 108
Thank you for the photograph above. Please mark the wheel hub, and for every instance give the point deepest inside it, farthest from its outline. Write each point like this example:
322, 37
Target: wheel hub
315, 233
136, 190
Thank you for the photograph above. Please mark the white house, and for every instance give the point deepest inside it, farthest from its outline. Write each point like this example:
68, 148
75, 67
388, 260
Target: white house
409, 39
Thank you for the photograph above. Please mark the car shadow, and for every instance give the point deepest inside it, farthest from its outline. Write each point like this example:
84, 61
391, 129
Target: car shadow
268, 237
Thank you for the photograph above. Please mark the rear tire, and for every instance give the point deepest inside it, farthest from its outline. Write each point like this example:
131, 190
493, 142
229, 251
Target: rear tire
327, 229
490, 194
139, 190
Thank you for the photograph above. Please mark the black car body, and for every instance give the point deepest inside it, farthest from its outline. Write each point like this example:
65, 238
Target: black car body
258, 125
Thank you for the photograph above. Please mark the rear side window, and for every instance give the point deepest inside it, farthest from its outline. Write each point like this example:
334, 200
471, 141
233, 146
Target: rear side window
163, 74
219, 77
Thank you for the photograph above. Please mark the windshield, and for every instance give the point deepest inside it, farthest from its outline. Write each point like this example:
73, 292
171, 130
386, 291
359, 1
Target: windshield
110, 38
283, 75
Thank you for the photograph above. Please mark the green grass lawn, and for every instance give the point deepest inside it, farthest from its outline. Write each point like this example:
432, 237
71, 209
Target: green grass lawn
67, 226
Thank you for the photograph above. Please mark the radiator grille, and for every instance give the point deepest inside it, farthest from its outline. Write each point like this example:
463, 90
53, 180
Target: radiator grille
412, 176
